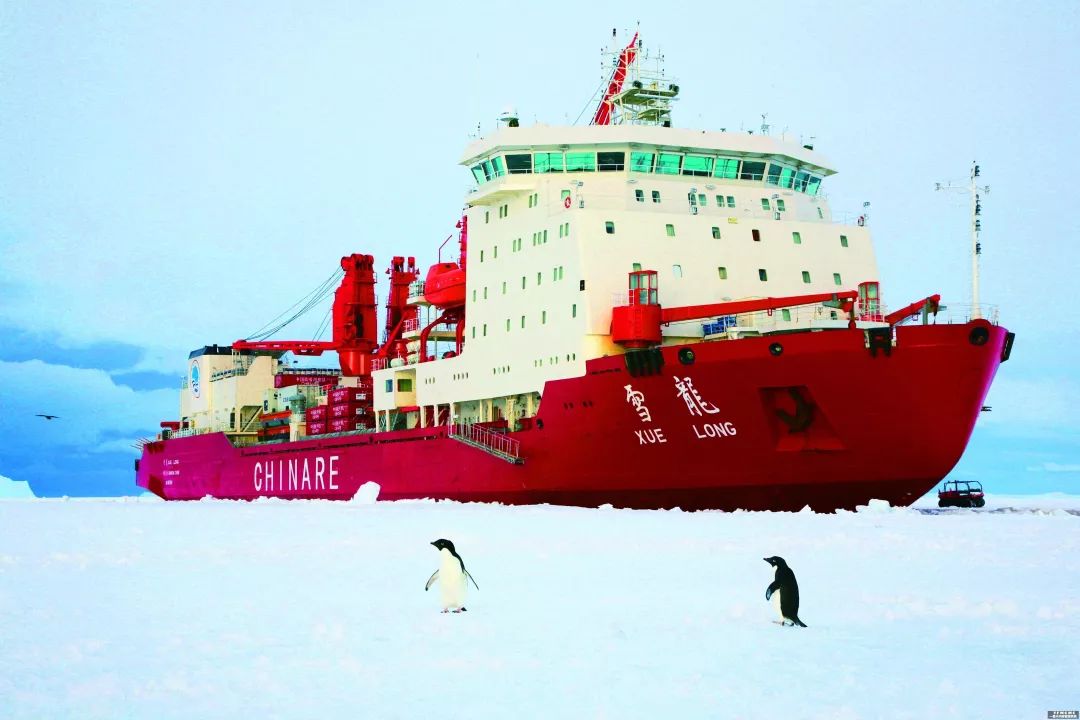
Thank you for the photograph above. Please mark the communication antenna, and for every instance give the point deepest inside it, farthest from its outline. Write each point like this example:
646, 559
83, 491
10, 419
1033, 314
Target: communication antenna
976, 192
764, 125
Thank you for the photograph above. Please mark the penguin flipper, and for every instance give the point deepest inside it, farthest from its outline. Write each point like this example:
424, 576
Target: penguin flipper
773, 587
431, 580
469, 575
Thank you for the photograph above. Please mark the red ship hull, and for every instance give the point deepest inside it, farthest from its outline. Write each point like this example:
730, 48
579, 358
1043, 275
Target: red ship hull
825, 422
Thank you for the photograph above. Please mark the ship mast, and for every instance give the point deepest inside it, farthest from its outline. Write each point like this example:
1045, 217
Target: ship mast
637, 91
976, 192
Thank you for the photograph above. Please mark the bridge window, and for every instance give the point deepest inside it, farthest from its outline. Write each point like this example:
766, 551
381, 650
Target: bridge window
580, 162
762, 275
727, 168
668, 164
752, 170
697, 165
497, 166
641, 162
519, 164
802, 178
610, 161
639, 195
722, 271
806, 277
813, 185
547, 162
478, 174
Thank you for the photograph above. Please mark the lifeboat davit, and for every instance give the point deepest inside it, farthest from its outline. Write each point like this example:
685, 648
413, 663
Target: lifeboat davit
445, 285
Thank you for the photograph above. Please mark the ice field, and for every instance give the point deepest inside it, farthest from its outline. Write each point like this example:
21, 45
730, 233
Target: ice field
136, 608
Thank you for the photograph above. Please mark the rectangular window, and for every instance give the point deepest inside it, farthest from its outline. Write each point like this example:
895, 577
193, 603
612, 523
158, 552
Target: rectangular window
801, 179
560, 272
474, 332
478, 174
580, 162
719, 201
636, 267
716, 233
504, 287
522, 322
547, 162
481, 256
487, 216
785, 314
543, 317
765, 204
489, 171
774, 174
495, 253
485, 293
389, 386
843, 241
752, 170
756, 234
780, 204
519, 164
697, 165
522, 282
796, 238
507, 324
641, 162
538, 276
676, 270
610, 161
787, 177
545, 237
484, 332
821, 215
668, 164
639, 195
670, 229
813, 185
497, 166
727, 168
762, 275
609, 227
474, 295
731, 201
806, 277
722, 271
656, 196
702, 200
404, 385
573, 311
836, 279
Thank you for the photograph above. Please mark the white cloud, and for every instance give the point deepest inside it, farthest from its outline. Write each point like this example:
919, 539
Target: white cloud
14, 488
1052, 467
94, 411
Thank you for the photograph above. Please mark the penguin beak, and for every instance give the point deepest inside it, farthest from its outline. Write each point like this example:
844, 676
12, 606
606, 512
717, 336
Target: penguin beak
435, 542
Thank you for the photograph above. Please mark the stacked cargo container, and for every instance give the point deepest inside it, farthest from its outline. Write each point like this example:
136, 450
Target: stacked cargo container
349, 408
316, 419
274, 426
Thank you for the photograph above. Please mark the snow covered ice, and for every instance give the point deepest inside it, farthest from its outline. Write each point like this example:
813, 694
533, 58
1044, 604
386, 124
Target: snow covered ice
273, 609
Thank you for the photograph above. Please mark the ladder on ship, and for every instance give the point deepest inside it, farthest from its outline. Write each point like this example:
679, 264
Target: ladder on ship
493, 443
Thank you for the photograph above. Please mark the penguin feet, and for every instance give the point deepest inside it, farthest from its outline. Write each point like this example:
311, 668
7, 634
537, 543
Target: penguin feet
444, 611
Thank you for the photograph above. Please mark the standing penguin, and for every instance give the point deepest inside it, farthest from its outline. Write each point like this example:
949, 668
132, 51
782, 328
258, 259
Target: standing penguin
453, 575
786, 590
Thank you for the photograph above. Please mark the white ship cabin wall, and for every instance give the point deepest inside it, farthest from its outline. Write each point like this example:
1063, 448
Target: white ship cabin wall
223, 390
560, 217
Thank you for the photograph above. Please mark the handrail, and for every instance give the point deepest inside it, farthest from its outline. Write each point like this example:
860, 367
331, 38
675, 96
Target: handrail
497, 443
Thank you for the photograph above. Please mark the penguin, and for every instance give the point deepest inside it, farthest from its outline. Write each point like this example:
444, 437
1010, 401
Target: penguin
786, 590
453, 575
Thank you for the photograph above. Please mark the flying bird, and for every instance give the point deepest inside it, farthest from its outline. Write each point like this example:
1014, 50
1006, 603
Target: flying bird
48, 417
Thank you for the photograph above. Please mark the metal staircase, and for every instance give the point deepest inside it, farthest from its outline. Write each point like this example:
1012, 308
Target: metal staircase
493, 443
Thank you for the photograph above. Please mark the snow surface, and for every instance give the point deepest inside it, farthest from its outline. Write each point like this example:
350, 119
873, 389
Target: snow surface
14, 488
137, 608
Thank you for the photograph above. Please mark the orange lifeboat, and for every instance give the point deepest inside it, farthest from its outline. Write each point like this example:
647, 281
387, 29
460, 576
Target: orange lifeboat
445, 285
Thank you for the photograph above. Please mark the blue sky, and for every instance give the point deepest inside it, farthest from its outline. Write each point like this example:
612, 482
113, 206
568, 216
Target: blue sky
175, 174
